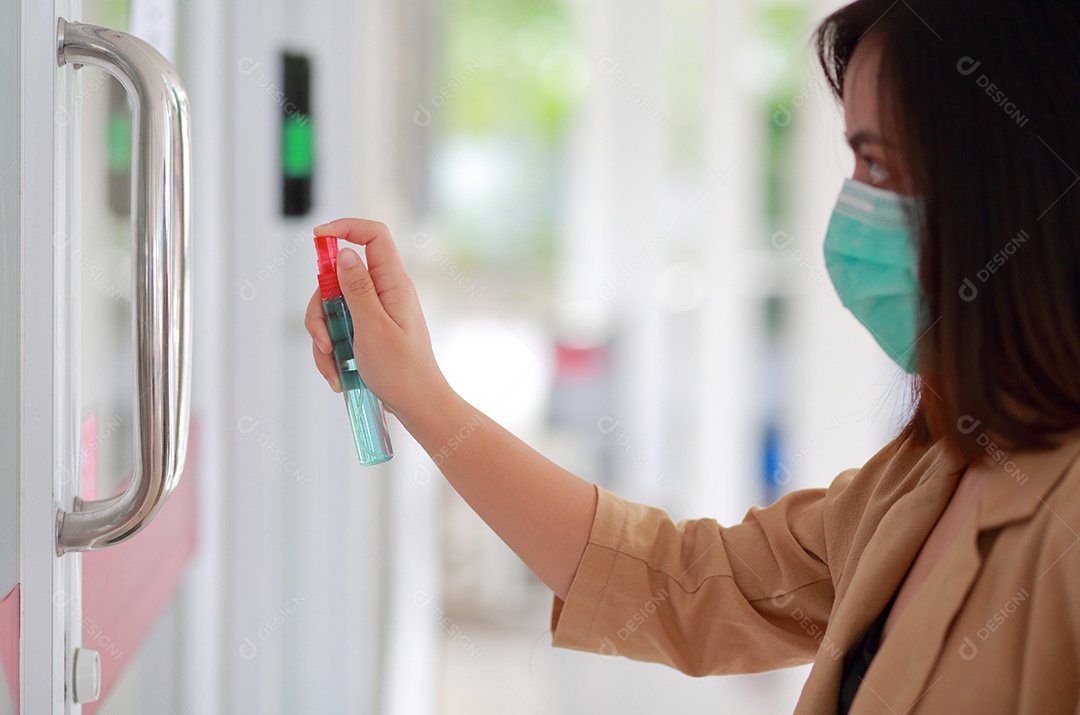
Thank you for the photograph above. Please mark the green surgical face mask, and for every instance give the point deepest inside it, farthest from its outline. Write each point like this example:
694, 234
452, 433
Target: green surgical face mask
871, 256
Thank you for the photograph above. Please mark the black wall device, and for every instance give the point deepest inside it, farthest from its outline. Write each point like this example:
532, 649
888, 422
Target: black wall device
297, 136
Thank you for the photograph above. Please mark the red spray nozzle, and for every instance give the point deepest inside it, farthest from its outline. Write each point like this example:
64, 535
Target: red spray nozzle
326, 246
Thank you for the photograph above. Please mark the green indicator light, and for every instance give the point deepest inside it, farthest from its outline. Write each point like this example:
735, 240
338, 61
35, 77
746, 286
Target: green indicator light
297, 146
119, 142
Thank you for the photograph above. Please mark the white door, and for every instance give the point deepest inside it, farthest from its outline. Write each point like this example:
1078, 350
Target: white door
94, 370
296, 595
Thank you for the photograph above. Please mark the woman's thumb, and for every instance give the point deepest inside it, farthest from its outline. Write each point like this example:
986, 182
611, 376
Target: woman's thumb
356, 284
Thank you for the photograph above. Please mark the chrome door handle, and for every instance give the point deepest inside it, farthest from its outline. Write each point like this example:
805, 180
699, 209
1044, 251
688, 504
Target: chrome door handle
161, 302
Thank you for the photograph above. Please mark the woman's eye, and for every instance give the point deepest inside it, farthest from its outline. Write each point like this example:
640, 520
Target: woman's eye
878, 173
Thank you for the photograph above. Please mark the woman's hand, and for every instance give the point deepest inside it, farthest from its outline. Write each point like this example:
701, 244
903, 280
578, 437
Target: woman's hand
392, 346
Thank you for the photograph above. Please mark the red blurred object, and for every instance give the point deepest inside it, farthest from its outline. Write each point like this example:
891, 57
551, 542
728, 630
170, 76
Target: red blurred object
579, 363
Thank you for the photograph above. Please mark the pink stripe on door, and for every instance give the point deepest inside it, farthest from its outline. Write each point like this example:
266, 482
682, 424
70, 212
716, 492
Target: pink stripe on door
126, 587
9, 643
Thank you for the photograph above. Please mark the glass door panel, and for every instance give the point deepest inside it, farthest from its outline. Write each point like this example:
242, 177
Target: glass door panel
130, 614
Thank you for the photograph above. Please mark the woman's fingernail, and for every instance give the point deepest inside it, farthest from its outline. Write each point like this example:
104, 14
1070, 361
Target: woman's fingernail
325, 347
319, 228
335, 384
347, 258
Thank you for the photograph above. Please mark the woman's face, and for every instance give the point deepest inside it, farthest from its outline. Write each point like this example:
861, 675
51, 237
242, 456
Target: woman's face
877, 162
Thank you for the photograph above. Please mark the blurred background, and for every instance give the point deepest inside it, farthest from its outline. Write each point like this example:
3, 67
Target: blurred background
613, 212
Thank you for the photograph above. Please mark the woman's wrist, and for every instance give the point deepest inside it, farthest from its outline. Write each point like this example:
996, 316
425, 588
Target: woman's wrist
431, 408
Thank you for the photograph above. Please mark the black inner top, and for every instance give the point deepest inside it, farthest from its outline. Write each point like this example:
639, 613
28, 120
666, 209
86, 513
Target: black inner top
858, 659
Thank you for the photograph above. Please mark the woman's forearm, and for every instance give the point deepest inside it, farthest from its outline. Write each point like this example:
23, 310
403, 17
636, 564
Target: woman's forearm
542, 512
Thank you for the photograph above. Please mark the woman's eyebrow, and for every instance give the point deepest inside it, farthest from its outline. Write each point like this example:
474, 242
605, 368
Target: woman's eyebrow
864, 136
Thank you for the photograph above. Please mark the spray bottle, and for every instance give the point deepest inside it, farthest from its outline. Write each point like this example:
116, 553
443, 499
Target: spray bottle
365, 410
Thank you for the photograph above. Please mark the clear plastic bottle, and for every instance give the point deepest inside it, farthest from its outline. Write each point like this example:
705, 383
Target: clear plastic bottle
365, 410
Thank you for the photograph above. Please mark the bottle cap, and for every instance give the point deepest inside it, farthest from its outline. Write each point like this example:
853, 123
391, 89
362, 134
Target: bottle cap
326, 247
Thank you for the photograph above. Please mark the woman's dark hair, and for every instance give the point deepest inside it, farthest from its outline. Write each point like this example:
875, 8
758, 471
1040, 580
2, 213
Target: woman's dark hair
984, 100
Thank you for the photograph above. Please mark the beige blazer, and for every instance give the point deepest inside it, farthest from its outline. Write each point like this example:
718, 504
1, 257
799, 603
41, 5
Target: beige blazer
995, 628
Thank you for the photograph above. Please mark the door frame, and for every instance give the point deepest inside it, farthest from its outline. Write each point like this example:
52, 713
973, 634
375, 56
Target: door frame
46, 433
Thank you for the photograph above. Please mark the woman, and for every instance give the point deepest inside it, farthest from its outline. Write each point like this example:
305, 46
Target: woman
942, 576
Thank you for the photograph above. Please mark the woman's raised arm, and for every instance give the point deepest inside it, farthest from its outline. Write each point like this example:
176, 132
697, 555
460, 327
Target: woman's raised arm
542, 512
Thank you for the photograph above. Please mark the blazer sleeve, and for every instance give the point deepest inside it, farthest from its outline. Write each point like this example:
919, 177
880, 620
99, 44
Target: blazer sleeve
700, 597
